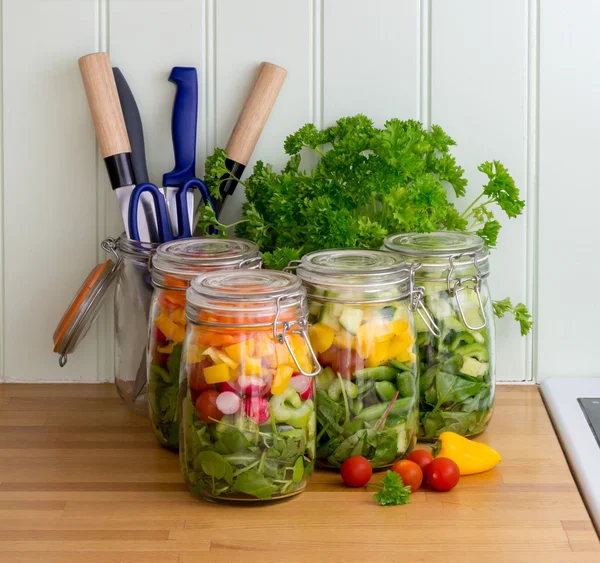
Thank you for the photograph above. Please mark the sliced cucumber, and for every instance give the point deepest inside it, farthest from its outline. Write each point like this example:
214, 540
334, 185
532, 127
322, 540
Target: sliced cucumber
474, 368
387, 313
350, 319
330, 313
475, 350
314, 308
401, 313
402, 441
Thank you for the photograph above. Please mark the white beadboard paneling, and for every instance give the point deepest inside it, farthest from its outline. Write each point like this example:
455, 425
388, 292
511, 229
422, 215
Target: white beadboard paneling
569, 237
478, 95
49, 182
370, 59
247, 33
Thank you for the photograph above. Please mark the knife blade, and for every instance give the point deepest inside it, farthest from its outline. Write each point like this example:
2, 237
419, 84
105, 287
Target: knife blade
183, 132
111, 132
135, 131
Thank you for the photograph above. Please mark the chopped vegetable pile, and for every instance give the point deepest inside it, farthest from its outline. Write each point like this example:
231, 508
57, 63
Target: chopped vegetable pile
248, 416
366, 393
456, 382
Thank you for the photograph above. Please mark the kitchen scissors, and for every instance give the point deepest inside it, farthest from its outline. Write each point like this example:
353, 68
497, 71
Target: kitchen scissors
165, 230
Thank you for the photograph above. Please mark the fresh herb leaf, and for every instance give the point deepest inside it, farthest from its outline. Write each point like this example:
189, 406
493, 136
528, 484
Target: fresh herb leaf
253, 483
392, 491
519, 312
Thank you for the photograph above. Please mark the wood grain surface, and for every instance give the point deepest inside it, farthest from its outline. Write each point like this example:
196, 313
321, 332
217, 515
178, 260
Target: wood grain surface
83, 480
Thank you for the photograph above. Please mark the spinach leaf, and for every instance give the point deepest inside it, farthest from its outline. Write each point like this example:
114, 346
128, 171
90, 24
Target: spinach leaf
212, 464
174, 363
252, 483
298, 470
454, 389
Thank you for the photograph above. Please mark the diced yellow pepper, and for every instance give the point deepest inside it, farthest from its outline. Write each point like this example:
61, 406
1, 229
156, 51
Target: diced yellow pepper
381, 353
217, 374
168, 349
195, 353
321, 337
250, 346
236, 351
224, 358
282, 377
270, 361
407, 357
382, 332
251, 366
399, 327
167, 326
282, 354
344, 339
178, 316
398, 345
364, 340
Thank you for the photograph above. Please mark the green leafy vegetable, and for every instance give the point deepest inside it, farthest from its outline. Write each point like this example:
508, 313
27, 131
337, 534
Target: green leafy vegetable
362, 184
392, 491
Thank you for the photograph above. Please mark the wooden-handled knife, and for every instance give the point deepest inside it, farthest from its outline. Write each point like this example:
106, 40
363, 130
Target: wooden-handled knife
250, 124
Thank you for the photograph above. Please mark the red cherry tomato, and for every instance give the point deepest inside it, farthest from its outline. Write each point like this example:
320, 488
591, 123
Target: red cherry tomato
348, 361
442, 474
421, 457
196, 376
206, 405
411, 473
329, 357
356, 471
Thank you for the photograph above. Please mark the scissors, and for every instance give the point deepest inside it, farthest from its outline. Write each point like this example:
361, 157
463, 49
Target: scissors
165, 230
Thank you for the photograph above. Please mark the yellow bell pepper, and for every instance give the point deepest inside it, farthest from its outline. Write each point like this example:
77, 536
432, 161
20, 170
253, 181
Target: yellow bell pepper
471, 457
282, 354
178, 316
217, 374
263, 345
171, 330
321, 337
407, 357
168, 349
344, 340
236, 351
398, 346
364, 340
252, 366
399, 327
282, 377
195, 353
380, 354
220, 357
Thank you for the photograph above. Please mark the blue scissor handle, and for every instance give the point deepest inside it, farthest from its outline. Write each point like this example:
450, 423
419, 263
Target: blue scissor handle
162, 217
183, 126
185, 229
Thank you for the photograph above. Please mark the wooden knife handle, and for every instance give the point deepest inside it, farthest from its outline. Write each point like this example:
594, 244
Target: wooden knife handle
255, 112
103, 99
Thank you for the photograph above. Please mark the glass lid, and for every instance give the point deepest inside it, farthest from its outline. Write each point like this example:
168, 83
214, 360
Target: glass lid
187, 257
244, 291
356, 268
436, 250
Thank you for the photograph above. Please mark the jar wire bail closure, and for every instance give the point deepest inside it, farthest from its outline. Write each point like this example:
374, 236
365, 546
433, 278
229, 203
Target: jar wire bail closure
462, 284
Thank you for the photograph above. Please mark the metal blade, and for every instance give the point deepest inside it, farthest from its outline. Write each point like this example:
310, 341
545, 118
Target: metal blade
146, 214
170, 194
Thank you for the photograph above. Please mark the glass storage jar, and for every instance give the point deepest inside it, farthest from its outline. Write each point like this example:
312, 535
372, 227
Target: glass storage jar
457, 359
361, 327
246, 390
174, 265
133, 294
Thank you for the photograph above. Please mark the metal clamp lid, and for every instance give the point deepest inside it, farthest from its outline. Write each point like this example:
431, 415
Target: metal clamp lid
462, 284
302, 326
417, 292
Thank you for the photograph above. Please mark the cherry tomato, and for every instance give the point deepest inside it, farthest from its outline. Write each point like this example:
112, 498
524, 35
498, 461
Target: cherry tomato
196, 376
206, 405
442, 474
411, 473
348, 361
421, 457
356, 471
329, 357
160, 357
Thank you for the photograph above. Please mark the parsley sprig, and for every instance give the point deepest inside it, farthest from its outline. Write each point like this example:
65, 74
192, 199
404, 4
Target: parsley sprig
392, 490
352, 184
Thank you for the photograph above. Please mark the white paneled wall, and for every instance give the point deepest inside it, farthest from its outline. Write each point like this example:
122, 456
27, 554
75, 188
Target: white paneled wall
513, 80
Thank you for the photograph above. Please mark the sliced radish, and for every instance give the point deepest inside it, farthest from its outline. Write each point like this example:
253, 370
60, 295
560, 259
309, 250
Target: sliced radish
267, 377
251, 385
228, 402
257, 408
229, 386
303, 385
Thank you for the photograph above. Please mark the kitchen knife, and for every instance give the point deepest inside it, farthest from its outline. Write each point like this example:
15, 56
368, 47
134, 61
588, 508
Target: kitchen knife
135, 132
183, 132
249, 126
103, 99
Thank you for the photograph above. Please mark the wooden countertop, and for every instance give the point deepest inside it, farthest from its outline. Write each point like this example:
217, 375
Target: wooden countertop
83, 480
